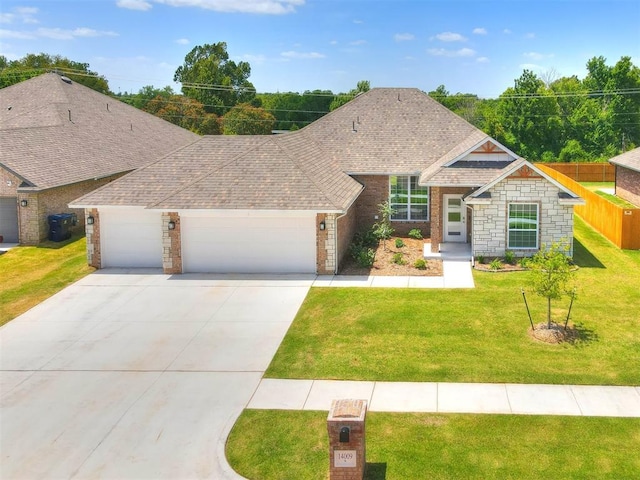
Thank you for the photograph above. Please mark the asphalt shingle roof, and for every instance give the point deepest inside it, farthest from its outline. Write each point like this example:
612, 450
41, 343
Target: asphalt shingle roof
630, 159
56, 133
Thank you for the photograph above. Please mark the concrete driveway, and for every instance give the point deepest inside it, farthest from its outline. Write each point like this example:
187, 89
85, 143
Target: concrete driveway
137, 375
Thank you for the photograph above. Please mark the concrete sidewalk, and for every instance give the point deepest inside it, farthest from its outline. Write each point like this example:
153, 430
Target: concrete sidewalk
499, 398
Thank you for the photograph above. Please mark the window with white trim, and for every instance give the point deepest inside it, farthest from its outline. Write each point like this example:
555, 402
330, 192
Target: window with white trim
409, 200
523, 226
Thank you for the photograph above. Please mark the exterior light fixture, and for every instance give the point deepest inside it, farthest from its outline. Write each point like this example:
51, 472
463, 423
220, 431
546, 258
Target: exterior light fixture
323, 225
90, 220
172, 225
24, 203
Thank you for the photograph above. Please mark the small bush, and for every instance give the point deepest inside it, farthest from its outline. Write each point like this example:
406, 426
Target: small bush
399, 243
496, 264
525, 262
366, 238
415, 233
363, 256
509, 257
398, 259
480, 259
420, 264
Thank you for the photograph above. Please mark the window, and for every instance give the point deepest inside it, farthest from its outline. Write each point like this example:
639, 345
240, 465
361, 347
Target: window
523, 225
409, 200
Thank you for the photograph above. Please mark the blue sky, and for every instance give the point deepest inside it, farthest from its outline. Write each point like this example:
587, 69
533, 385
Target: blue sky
471, 46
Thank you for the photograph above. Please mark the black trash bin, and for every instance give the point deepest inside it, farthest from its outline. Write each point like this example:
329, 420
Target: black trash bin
60, 226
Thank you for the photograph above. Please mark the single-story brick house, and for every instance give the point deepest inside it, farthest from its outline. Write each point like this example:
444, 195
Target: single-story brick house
628, 175
292, 202
60, 140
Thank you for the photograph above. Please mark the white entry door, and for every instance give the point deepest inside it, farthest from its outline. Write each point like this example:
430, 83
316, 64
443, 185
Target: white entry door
455, 219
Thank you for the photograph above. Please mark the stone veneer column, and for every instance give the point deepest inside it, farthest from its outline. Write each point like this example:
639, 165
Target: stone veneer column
171, 244
326, 255
436, 218
94, 257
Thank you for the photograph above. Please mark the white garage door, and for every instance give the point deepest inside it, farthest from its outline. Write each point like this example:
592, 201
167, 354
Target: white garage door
9, 219
248, 244
131, 238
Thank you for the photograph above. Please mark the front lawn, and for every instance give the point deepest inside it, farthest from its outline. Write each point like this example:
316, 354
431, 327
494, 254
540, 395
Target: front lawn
477, 335
29, 275
267, 444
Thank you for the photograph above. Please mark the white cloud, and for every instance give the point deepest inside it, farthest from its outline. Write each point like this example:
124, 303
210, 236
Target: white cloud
356, 43
19, 15
450, 37
333, 42
537, 56
141, 5
506, 31
254, 59
16, 35
480, 31
301, 55
403, 37
268, 7
530, 35
531, 66
482, 60
183, 41
63, 34
358, 22
443, 52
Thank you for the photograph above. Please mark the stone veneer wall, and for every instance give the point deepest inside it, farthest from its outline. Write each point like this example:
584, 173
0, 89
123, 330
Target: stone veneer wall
628, 185
94, 256
325, 244
171, 244
376, 191
33, 219
490, 221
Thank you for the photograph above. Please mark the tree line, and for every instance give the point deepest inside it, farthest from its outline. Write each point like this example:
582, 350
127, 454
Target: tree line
542, 118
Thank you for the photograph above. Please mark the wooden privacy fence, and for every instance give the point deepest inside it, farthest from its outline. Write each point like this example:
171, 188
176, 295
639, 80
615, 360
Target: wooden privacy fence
620, 225
585, 172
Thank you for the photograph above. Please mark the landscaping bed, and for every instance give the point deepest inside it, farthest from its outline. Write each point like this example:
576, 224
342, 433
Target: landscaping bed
391, 260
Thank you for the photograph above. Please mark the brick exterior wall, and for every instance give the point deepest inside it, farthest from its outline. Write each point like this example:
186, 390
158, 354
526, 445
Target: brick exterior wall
490, 221
171, 244
347, 228
628, 185
33, 224
94, 255
357, 444
8, 184
436, 213
376, 191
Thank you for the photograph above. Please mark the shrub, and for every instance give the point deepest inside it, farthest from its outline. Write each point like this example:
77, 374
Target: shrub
495, 264
420, 264
399, 243
525, 262
509, 257
398, 259
415, 233
480, 258
366, 238
363, 256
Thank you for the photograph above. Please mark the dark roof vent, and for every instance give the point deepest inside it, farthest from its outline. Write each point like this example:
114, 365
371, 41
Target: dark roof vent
65, 79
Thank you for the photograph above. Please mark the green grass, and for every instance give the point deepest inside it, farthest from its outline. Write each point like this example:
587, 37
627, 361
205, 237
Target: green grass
267, 444
615, 200
32, 274
593, 186
475, 335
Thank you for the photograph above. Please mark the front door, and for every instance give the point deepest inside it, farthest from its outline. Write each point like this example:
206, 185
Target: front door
455, 219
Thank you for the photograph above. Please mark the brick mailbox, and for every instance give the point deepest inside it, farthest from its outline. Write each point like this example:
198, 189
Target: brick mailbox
345, 425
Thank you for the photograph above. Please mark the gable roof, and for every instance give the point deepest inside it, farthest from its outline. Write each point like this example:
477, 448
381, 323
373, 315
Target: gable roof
55, 133
565, 195
630, 159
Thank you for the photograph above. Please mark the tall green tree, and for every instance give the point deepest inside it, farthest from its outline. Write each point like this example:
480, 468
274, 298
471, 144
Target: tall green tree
361, 87
245, 119
32, 65
209, 77
184, 112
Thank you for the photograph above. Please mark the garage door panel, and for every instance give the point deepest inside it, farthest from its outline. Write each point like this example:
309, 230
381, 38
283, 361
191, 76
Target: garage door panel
248, 245
9, 219
131, 238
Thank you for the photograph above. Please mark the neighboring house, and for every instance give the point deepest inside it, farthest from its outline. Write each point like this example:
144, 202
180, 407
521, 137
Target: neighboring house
60, 140
628, 175
292, 202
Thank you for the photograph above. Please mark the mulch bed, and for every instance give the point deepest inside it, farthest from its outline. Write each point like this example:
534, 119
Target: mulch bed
412, 250
555, 334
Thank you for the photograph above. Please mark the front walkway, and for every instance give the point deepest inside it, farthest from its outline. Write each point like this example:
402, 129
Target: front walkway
492, 398
456, 266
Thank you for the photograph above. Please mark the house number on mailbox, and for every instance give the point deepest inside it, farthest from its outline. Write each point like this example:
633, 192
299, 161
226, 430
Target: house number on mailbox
344, 458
